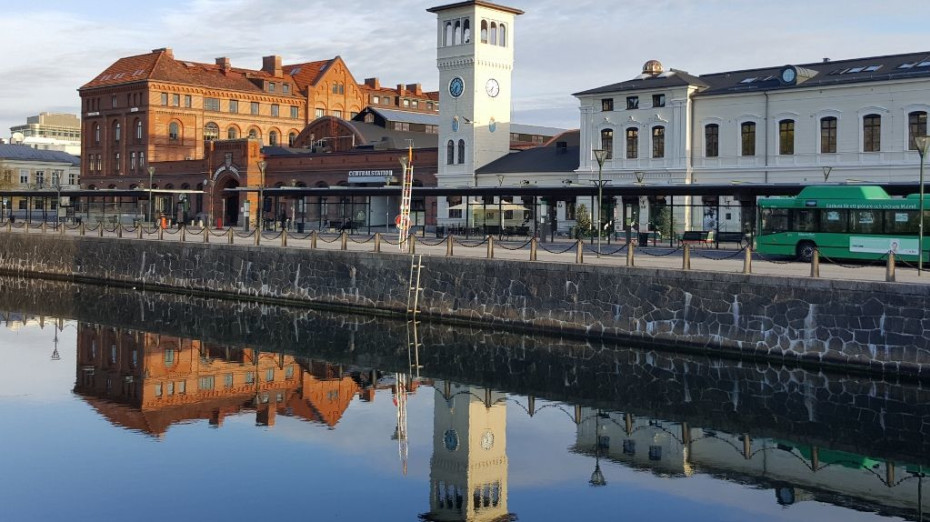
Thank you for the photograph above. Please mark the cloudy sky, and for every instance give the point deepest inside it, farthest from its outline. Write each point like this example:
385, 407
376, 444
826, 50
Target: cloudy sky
52, 47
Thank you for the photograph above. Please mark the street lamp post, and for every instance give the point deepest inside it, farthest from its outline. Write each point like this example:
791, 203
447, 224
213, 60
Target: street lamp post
923, 144
600, 155
260, 211
151, 176
206, 187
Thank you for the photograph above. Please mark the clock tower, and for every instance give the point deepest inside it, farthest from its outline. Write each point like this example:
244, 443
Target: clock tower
475, 41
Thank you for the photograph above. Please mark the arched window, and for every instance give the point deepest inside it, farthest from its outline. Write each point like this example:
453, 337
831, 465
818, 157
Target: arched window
253, 133
658, 142
502, 35
96, 133
117, 131
607, 142
232, 133
211, 131
450, 152
484, 31
273, 138
712, 140
447, 36
291, 138
916, 126
748, 138
461, 151
466, 31
872, 133
138, 130
632, 143
174, 131
828, 135
786, 137
457, 38
493, 34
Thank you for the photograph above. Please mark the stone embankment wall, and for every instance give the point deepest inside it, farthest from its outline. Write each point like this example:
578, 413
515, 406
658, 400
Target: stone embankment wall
848, 324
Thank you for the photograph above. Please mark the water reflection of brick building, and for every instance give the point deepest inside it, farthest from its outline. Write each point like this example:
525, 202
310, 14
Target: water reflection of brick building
148, 382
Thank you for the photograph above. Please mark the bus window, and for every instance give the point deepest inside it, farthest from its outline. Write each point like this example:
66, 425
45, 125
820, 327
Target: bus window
805, 220
865, 222
774, 220
836, 221
904, 222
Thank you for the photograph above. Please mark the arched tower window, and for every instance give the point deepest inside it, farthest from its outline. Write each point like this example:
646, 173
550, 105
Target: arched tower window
117, 134
493, 34
457, 34
502, 35
450, 152
96, 133
138, 130
466, 31
273, 138
447, 34
484, 31
461, 152
232, 133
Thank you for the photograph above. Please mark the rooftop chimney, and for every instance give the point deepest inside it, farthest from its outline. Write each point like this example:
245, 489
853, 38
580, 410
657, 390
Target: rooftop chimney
272, 65
223, 63
825, 60
373, 83
415, 87
166, 50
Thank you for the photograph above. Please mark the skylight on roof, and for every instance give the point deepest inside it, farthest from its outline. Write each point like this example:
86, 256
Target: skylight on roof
873, 68
138, 72
923, 64
749, 80
907, 65
854, 70
295, 71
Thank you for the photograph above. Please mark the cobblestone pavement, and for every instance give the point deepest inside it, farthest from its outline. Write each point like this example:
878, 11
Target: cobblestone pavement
725, 259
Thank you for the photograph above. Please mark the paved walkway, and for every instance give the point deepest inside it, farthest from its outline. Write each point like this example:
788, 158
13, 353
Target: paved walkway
728, 259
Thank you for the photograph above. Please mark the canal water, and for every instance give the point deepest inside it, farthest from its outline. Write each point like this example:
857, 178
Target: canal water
132, 406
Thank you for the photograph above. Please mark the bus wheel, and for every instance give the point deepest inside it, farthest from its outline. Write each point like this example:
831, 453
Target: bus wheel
805, 251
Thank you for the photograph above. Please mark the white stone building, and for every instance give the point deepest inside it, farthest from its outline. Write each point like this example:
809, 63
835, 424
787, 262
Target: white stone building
50, 131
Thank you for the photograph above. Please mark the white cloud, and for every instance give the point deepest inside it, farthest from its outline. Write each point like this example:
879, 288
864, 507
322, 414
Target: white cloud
561, 47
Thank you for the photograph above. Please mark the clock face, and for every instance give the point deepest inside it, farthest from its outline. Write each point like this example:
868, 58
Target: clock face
451, 440
456, 87
492, 87
487, 440
788, 75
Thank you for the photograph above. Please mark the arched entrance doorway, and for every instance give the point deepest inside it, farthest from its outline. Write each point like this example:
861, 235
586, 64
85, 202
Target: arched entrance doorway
230, 201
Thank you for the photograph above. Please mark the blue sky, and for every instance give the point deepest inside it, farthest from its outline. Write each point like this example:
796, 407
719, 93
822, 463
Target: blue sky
53, 47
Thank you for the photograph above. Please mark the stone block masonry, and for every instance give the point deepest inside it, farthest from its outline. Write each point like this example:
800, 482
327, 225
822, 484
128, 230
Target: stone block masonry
882, 327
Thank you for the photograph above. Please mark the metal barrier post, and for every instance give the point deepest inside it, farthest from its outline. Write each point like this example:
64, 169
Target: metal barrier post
413, 243
119, 231
449, 242
686, 257
815, 263
183, 234
490, 247
345, 241
377, 242
139, 231
747, 261
284, 237
44, 227
9, 226
313, 236
533, 247
630, 256
61, 228
579, 252
206, 234
99, 228
229, 234
889, 268
161, 233
258, 236
82, 228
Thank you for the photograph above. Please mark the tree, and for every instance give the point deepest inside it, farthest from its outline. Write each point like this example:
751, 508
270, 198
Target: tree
662, 220
583, 221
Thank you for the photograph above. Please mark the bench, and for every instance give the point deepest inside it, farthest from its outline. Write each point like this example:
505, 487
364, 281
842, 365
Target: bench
739, 238
697, 237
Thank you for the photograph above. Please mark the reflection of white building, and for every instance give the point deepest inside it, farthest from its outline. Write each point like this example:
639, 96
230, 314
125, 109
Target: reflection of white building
800, 472
468, 469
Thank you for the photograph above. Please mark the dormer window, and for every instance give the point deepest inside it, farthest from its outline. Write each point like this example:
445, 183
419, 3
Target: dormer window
271, 86
286, 88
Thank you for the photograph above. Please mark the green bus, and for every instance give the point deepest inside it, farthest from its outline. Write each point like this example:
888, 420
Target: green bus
842, 222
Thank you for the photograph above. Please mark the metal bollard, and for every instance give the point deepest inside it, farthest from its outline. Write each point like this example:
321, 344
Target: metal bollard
413, 243
747, 261
99, 228
490, 247
889, 268
119, 231
579, 252
815, 263
9, 226
630, 256
377, 242
183, 234
229, 235
82, 228
313, 239
258, 236
284, 237
139, 231
161, 233
533, 247
344, 245
61, 229
44, 227
449, 242
686, 257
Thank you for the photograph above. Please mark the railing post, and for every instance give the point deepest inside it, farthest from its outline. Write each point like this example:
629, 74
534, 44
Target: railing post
344, 239
82, 228
377, 242
61, 228
686, 257
44, 227
313, 237
161, 233
183, 234
490, 254
889, 269
99, 229
412, 238
119, 231
139, 231
229, 235
284, 237
258, 236
533, 247
449, 242
815, 263
747, 261
206, 234
630, 255
579, 252
9, 226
